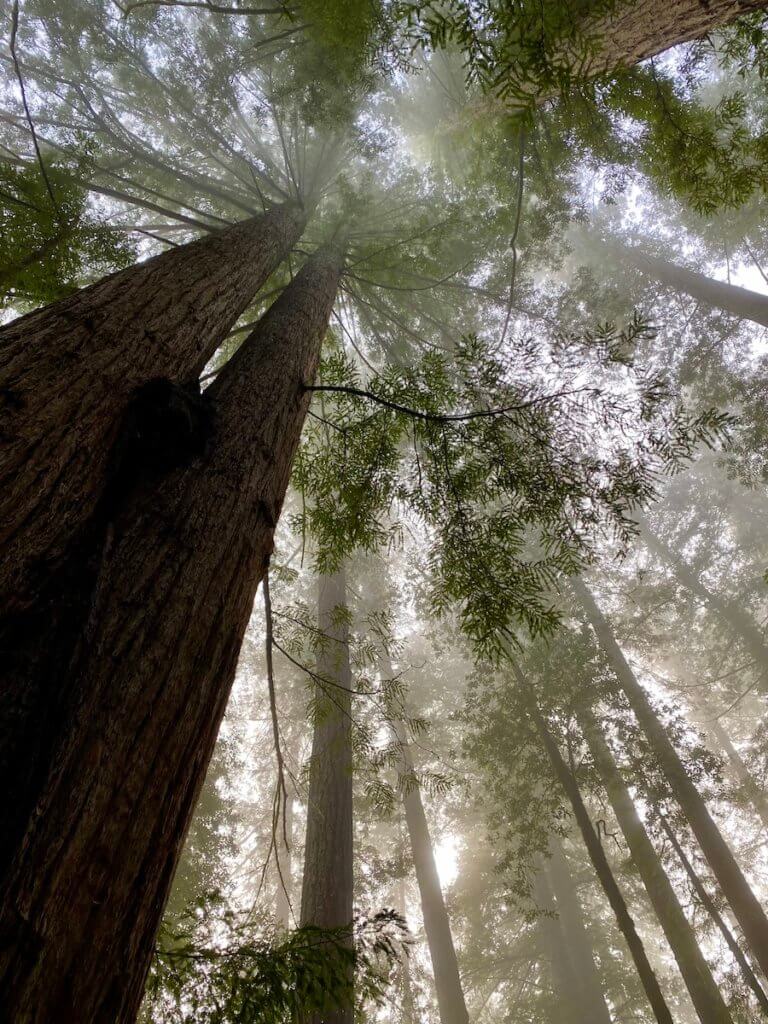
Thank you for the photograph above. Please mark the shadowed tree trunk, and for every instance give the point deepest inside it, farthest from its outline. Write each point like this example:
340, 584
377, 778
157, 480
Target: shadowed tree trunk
67, 372
565, 777
88, 411
734, 885
81, 903
705, 995
743, 303
437, 924
741, 624
709, 904
327, 890
590, 1001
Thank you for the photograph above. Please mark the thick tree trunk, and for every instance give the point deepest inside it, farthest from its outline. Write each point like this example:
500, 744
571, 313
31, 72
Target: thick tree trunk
741, 302
590, 1001
327, 890
709, 904
737, 620
705, 995
437, 925
570, 786
740, 770
638, 29
564, 982
67, 372
745, 906
80, 907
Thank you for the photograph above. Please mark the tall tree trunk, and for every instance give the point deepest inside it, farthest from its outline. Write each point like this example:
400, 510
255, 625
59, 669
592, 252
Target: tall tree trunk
564, 983
734, 885
743, 303
75, 438
705, 995
67, 372
592, 1008
437, 924
637, 29
80, 905
740, 770
408, 1015
709, 904
327, 890
596, 853
742, 625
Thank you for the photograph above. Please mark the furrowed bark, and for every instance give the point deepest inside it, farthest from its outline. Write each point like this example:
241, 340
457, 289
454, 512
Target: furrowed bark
705, 995
638, 29
67, 372
327, 888
437, 925
70, 380
596, 853
589, 998
80, 906
737, 891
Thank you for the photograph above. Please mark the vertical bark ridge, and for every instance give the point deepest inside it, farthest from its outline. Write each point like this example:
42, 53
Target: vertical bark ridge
67, 372
153, 671
737, 891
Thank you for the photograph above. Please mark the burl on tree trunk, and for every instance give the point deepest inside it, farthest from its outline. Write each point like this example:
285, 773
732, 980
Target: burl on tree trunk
80, 906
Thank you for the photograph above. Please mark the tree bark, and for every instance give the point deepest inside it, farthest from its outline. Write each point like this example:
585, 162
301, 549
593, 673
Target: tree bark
741, 302
734, 885
327, 890
705, 995
740, 623
709, 904
437, 925
284, 866
67, 372
590, 1001
638, 29
80, 906
74, 443
596, 853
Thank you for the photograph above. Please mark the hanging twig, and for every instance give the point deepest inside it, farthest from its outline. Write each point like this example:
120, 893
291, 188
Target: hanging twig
30, 122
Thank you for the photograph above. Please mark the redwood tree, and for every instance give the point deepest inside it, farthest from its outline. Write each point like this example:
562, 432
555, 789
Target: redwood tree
152, 672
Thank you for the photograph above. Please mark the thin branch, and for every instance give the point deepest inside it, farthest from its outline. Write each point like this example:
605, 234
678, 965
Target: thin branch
201, 5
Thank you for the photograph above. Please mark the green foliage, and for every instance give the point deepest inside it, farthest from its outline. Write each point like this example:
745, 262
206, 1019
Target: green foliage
514, 465
219, 967
46, 252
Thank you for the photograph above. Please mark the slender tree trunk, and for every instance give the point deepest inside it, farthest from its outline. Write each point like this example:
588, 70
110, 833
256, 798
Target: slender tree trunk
592, 1008
67, 372
284, 866
741, 302
742, 624
564, 983
705, 995
409, 1006
596, 853
437, 925
734, 885
327, 891
81, 903
741, 771
709, 904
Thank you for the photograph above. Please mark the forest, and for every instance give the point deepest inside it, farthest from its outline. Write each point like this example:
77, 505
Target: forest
383, 511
